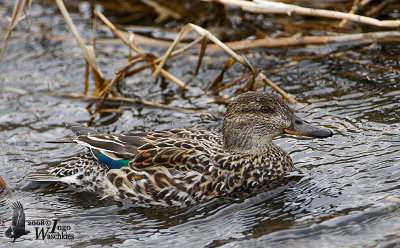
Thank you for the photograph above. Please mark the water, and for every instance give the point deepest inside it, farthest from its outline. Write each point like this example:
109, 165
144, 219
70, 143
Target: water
346, 192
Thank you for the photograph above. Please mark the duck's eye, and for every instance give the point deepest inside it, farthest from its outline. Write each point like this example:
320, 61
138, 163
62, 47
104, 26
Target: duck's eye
265, 109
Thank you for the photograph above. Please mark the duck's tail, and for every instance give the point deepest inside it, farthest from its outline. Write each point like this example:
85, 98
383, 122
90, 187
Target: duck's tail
82, 170
79, 129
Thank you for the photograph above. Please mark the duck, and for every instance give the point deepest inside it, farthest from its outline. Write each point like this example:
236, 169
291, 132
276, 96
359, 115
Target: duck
181, 167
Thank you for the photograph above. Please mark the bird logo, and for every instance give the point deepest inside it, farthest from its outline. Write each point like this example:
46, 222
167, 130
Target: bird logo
17, 228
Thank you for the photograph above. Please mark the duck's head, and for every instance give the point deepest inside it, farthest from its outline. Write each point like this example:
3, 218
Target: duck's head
253, 119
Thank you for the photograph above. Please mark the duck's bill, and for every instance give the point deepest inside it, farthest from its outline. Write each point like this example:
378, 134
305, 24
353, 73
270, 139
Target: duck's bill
303, 129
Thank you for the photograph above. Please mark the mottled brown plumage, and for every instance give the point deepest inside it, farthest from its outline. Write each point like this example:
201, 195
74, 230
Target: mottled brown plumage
184, 166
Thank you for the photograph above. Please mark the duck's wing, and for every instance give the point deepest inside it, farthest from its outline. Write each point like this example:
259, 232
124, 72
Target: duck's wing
143, 150
115, 151
179, 154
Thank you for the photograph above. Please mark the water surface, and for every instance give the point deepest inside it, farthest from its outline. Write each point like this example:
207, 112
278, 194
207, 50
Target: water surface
346, 192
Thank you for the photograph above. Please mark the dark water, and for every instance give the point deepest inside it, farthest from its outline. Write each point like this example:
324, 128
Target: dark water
347, 194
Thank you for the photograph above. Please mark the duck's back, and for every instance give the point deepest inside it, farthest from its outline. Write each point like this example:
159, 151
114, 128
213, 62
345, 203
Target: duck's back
167, 167
169, 148
170, 167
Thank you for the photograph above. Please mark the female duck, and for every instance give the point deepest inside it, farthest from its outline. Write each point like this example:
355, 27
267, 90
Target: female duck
185, 166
